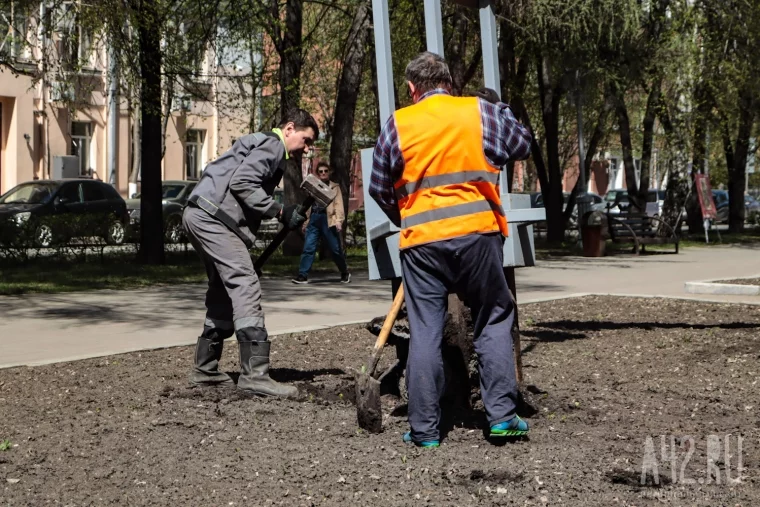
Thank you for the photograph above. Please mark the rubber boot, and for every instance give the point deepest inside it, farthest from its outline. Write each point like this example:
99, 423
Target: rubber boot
208, 352
254, 366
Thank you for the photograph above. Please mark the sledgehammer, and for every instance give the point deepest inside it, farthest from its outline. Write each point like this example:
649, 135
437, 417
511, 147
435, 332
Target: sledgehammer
318, 192
368, 409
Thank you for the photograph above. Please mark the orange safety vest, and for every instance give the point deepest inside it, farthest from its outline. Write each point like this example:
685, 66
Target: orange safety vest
448, 188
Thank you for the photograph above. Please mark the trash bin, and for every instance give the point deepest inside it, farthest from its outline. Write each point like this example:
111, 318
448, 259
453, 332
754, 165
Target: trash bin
592, 235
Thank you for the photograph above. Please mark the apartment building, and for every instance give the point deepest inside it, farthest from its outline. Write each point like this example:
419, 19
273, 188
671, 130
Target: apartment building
54, 107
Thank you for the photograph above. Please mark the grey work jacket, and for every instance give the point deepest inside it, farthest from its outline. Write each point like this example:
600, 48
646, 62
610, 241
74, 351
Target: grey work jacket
241, 182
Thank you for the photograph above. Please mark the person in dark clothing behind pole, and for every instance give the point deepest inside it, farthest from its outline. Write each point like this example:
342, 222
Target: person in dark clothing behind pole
223, 214
435, 173
327, 223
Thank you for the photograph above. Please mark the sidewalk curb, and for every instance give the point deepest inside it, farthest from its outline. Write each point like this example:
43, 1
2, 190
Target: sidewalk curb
641, 296
722, 288
712, 287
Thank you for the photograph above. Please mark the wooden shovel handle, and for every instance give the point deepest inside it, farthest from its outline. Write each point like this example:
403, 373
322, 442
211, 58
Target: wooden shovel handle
390, 319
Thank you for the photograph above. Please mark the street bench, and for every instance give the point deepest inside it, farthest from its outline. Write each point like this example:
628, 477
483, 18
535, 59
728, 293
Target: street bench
639, 229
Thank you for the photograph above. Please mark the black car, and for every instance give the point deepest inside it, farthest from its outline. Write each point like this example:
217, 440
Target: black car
174, 195
53, 211
537, 201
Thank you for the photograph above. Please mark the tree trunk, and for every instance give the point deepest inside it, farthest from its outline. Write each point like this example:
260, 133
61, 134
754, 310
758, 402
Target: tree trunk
373, 85
598, 135
596, 138
508, 61
462, 72
699, 148
134, 170
551, 182
151, 220
677, 178
737, 170
636, 203
648, 141
350, 82
166, 111
513, 82
291, 61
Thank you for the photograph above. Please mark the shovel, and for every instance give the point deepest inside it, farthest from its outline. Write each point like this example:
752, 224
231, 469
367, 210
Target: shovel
368, 408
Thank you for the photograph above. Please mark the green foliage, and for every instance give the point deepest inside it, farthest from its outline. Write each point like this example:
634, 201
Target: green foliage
356, 230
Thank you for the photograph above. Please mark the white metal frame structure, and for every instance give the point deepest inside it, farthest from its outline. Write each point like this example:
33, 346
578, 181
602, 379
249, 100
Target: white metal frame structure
382, 236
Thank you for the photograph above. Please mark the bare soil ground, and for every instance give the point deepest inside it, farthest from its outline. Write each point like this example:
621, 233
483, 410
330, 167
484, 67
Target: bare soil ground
606, 373
742, 281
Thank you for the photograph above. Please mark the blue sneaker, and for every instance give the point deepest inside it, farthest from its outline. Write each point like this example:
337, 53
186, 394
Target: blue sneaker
515, 427
430, 443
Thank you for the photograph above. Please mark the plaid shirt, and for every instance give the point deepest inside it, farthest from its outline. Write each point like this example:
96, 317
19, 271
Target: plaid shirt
504, 139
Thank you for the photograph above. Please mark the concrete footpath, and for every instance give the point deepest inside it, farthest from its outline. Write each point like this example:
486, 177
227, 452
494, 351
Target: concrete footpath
39, 329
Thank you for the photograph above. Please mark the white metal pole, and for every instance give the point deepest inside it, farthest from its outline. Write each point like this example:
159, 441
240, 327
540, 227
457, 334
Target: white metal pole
384, 60
491, 78
434, 27
490, 43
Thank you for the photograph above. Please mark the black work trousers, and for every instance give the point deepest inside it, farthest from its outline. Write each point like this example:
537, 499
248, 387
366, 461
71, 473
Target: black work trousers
470, 265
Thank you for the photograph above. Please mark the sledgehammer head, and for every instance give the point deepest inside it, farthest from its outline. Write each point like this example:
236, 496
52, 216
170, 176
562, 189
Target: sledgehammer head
321, 192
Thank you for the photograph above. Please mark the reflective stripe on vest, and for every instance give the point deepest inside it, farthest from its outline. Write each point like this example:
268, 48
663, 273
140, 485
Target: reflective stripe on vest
448, 188
447, 179
458, 210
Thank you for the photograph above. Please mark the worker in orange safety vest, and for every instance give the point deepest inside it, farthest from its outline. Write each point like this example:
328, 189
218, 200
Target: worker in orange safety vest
436, 175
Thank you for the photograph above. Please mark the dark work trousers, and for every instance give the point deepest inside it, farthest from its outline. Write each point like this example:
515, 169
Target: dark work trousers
233, 298
471, 265
318, 227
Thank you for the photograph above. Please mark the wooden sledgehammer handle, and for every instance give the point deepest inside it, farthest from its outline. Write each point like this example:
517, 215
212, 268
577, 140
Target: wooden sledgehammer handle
390, 319
279, 238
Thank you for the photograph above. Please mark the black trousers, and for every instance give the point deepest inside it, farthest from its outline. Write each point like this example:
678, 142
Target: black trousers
471, 265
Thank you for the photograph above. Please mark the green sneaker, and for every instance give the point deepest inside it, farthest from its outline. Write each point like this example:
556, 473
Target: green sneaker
515, 427
430, 443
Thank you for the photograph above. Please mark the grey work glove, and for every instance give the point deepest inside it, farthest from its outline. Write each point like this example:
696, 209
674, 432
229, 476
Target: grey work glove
292, 217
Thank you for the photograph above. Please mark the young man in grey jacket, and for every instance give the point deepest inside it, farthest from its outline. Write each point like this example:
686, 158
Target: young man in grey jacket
222, 217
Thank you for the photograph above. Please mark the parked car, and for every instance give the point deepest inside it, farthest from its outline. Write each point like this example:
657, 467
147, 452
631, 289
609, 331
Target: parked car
174, 195
537, 201
751, 206
53, 211
616, 201
750, 203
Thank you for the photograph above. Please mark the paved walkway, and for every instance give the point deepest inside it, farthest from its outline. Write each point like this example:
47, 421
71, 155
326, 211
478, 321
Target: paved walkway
38, 329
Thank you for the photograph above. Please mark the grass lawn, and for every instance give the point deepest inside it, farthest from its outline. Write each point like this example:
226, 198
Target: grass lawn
120, 271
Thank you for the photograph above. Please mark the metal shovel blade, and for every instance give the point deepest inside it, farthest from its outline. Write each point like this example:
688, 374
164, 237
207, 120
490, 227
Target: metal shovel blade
368, 408
369, 411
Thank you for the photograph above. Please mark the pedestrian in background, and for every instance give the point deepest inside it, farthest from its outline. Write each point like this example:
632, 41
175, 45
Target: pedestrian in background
325, 223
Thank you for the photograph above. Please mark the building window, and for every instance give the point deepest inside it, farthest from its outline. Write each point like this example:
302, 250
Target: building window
81, 140
193, 153
13, 31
